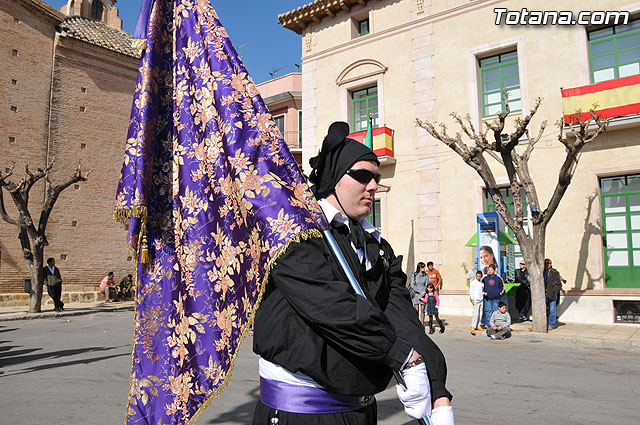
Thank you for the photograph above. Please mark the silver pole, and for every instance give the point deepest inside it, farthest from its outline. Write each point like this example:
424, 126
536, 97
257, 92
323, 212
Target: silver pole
358, 290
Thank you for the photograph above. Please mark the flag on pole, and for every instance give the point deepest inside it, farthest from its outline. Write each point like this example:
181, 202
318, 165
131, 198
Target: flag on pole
212, 196
368, 139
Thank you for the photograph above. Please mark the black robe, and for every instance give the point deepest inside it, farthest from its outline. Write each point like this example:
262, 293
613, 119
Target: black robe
310, 320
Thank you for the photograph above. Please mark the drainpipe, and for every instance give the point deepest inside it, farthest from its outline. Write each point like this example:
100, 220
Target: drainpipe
56, 38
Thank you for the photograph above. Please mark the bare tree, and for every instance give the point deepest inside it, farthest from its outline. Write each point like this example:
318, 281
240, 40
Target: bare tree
502, 148
33, 235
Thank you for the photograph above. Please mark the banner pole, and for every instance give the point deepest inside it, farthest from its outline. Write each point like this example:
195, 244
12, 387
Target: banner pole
358, 290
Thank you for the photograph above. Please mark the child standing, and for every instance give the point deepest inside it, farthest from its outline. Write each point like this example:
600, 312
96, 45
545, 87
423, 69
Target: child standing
432, 301
476, 294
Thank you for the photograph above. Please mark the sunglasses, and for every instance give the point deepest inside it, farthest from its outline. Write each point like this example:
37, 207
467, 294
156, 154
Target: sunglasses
363, 176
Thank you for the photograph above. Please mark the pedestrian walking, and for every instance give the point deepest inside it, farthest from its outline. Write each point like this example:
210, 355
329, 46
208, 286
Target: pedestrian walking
417, 286
53, 281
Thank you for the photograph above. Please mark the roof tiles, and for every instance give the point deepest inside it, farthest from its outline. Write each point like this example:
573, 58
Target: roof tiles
99, 34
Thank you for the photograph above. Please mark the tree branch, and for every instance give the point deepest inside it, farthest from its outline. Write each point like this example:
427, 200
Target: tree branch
3, 184
30, 179
574, 151
455, 144
52, 196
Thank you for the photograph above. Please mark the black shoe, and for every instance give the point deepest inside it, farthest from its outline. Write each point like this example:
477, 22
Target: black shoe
431, 331
441, 329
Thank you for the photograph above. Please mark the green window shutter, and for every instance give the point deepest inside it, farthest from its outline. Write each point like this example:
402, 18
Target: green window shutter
363, 27
499, 75
614, 52
363, 103
375, 216
620, 203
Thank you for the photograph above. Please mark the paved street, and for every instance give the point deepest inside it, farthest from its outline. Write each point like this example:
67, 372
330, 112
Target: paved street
76, 371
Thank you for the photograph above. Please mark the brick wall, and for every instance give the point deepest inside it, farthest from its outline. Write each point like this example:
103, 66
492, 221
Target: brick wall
91, 106
24, 85
91, 102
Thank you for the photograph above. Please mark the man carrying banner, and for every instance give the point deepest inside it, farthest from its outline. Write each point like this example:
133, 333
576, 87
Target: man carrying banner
324, 350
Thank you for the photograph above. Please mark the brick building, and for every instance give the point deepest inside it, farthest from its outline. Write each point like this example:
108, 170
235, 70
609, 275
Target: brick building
67, 84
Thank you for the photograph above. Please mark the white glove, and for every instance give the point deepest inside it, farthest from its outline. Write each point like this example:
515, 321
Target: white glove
417, 396
442, 415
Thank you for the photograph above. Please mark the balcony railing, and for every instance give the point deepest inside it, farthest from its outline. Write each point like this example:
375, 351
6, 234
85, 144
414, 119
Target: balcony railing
615, 98
293, 139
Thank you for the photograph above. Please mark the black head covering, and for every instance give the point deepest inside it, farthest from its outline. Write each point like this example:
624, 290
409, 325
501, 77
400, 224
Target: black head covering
337, 155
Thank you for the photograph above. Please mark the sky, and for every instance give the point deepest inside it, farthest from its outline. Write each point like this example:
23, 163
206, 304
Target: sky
255, 22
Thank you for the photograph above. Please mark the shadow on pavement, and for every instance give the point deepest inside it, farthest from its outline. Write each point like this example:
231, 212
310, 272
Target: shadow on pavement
242, 414
55, 355
71, 363
9, 353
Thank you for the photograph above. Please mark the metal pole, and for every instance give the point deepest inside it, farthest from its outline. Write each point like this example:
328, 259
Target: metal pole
358, 290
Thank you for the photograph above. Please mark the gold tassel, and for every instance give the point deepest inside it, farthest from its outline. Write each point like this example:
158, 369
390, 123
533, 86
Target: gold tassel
139, 44
144, 247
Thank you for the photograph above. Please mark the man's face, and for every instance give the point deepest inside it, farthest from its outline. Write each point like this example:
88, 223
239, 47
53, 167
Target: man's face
491, 271
356, 197
502, 309
523, 265
547, 264
430, 267
52, 263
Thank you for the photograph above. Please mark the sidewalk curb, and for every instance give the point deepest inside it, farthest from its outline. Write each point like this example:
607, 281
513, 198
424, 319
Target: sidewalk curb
10, 317
549, 337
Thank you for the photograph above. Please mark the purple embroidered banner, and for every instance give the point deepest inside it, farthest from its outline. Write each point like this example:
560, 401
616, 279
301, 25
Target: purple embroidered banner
212, 196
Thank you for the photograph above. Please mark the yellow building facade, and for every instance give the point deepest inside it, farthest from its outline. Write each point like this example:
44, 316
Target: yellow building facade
402, 60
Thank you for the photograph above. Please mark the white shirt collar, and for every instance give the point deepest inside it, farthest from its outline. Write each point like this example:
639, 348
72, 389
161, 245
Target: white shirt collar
332, 213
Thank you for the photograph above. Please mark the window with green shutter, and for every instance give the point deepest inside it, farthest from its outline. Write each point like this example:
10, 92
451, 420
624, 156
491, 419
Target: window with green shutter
363, 27
499, 75
620, 198
375, 215
614, 52
364, 102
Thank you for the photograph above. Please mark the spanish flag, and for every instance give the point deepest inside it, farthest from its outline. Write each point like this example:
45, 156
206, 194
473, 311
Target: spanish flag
614, 98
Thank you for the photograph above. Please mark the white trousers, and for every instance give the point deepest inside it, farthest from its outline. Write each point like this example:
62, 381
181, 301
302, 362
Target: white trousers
477, 314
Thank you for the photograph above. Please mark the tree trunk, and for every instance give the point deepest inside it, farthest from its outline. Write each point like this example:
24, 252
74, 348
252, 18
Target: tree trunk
37, 280
535, 265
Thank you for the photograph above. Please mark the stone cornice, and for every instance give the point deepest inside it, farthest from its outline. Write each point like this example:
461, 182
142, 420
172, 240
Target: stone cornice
407, 26
298, 19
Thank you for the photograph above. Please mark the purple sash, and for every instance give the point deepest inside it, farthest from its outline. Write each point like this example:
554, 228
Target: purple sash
311, 400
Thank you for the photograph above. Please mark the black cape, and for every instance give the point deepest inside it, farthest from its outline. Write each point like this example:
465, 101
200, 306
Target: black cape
311, 321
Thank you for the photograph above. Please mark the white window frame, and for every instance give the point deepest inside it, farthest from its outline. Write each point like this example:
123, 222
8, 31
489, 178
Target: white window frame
473, 69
